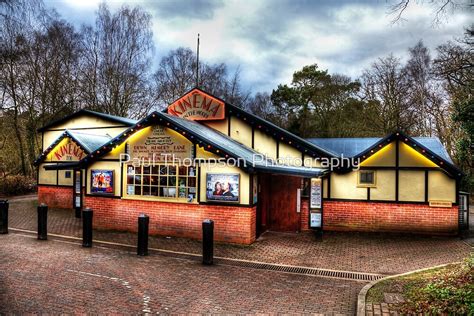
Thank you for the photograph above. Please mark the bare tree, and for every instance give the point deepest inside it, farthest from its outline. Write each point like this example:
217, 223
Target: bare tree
441, 9
261, 105
176, 75
385, 87
17, 21
116, 56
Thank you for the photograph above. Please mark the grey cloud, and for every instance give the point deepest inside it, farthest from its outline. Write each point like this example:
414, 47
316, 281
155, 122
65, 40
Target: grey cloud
195, 9
283, 35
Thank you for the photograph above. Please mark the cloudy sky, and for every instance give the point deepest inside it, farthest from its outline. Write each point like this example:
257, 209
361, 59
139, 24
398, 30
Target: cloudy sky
270, 39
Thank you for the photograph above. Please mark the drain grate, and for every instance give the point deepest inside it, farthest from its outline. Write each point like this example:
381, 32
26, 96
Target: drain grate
348, 275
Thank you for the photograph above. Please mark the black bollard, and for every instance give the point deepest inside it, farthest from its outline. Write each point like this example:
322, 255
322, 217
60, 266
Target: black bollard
3, 216
142, 246
318, 234
78, 212
87, 228
43, 222
207, 242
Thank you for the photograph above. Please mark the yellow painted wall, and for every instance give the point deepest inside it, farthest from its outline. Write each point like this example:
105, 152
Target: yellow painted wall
384, 186
62, 180
115, 153
409, 157
106, 165
204, 154
244, 181
46, 176
344, 186
140, 136
384, 157
221, 125
290, 155
86, 121
412, 186
241, 131
265, 144
441, 187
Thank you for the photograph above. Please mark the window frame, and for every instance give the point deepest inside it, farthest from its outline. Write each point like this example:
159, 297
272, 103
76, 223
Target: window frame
158, 186
367, 185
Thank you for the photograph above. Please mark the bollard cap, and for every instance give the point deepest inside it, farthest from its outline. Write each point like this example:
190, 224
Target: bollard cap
208, 221
43, 205
143, 215
87, 209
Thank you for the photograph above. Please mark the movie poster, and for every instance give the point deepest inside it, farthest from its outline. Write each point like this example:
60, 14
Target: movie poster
102, 181
223, 187
316, 193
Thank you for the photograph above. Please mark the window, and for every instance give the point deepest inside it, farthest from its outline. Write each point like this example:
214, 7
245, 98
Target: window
67, 174
166, 181
366, 178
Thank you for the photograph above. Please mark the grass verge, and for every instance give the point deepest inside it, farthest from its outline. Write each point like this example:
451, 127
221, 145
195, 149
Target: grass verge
446, 290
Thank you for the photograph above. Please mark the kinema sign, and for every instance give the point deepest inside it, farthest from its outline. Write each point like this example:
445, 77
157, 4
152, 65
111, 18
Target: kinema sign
69, 152
198, 106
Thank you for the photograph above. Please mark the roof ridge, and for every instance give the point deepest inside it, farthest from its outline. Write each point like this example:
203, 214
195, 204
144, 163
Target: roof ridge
83, 133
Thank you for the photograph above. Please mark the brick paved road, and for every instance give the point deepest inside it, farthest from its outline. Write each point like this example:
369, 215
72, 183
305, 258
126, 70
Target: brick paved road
57, 277
372, 253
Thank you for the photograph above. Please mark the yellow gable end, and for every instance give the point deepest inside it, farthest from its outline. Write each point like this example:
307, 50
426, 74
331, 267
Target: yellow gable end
385, 157
66, 150
409, 157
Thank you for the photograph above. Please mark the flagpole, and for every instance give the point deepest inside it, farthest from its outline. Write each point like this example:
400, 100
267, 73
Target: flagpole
197, 63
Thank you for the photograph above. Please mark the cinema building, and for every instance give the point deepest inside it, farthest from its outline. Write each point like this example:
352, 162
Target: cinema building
204, 158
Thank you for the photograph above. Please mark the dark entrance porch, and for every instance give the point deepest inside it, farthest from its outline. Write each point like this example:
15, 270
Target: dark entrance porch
277, 206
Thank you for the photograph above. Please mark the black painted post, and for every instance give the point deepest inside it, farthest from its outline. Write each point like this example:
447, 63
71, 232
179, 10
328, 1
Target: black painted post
207, 242
87, 228
3, 216
143, 223
318, 233
43, 222
78, 212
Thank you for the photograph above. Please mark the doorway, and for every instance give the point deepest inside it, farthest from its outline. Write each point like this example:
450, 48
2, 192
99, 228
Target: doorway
278, 203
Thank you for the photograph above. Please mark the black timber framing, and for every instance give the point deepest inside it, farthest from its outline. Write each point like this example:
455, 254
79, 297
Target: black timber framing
397, 169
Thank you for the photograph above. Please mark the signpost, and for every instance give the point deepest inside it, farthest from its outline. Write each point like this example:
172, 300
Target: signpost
316, 206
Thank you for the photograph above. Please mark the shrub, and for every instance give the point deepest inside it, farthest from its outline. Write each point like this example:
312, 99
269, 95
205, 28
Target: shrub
16, 185
449, 292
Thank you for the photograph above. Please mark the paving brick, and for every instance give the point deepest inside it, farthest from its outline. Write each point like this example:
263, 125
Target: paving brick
362, 252
51, 277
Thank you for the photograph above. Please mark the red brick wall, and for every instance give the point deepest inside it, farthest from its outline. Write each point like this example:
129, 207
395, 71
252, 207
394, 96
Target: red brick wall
53, 196
231, 224
304, 224
389, 217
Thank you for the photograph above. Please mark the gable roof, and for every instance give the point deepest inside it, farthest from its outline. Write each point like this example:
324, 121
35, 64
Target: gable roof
86, 141
350, 147
109, 117
212, 140
89, 141
271, 129
363, 148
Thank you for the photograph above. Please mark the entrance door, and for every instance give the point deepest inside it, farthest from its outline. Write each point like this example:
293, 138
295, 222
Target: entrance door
279, 202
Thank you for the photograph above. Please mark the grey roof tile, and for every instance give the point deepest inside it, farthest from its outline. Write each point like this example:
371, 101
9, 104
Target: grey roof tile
350, 147
90, 142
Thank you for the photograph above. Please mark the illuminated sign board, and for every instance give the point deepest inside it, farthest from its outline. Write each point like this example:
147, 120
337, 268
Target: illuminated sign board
161, 144
68, 152
198, 106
